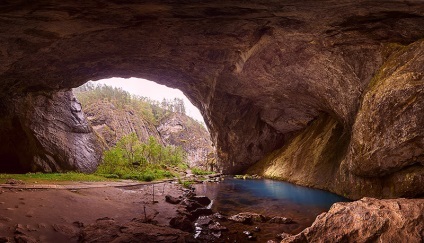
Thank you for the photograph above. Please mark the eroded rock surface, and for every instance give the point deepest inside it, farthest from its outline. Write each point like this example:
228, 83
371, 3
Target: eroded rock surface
368, 220
178, 129
383, 154
49, 132
263, 73
112, 123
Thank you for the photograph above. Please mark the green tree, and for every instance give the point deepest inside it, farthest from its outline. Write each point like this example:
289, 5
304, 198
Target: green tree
132, 149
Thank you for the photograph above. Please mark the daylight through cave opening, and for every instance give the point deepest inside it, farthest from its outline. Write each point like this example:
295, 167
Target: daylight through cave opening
116, 108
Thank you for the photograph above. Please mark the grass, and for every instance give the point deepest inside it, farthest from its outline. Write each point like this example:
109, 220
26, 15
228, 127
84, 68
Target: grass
198, 171
56, 177
147, 175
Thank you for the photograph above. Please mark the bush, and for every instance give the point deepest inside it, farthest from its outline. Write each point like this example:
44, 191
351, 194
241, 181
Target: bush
131, 159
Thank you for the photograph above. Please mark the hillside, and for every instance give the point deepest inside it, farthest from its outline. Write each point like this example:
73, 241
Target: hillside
181, 130
114, 113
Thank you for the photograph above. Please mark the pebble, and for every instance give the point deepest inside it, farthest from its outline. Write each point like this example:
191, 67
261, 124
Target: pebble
283, 235
204, 220
217, 234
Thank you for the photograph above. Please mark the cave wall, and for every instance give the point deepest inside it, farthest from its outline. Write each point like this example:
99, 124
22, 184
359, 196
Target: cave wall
382, 156
261, 72
47, 132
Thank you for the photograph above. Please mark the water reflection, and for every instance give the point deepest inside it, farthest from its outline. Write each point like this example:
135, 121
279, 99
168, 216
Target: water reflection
270, 198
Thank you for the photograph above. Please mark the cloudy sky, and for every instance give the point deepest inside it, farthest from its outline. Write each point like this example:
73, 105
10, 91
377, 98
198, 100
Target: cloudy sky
152, 90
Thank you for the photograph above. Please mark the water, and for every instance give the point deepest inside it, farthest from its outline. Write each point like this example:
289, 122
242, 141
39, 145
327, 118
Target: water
270, 198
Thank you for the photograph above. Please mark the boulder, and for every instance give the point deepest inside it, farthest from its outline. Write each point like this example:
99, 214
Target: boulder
203, 200
182, 222
247, 218
172, 200
280, 220
367, 220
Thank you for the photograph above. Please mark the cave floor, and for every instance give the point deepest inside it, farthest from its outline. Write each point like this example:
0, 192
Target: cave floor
56, 213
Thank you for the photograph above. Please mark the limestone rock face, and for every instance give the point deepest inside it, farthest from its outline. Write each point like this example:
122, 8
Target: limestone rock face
112, 123
178, 129
368, 220
49, 133
262, 73
382, 156
388, 134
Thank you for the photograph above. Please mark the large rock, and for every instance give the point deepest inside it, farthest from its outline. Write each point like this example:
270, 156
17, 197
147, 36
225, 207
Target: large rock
367, 220
266, 75
388, 134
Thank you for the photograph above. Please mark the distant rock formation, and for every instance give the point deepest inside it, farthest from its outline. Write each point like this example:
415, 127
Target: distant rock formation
179, 129
111, 123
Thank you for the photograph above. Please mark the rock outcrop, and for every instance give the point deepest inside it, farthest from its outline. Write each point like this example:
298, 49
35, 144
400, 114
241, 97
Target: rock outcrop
178, 129
368, 220
112, 123
265, 75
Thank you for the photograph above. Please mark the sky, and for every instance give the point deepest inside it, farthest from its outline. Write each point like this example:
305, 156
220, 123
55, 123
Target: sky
152, 90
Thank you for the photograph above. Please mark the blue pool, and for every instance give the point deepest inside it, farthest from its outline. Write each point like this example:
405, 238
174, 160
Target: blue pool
270, 198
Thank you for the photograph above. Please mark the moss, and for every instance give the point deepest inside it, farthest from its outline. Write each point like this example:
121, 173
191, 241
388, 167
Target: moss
390, 53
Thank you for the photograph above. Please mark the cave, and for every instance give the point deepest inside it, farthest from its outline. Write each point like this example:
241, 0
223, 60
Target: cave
10, 163
271, 80
14, 149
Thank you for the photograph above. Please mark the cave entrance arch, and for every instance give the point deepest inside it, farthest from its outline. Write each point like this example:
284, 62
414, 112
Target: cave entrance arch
116, 107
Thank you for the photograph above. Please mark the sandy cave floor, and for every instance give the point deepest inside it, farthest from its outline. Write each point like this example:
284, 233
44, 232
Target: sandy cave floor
55, 215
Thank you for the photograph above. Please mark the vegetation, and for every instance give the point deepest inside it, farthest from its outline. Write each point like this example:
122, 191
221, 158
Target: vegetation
132, 159
198, 171
151, 110
57, 177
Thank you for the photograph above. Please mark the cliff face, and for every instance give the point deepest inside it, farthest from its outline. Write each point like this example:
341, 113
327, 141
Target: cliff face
344, 77
178, 129
111, 123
